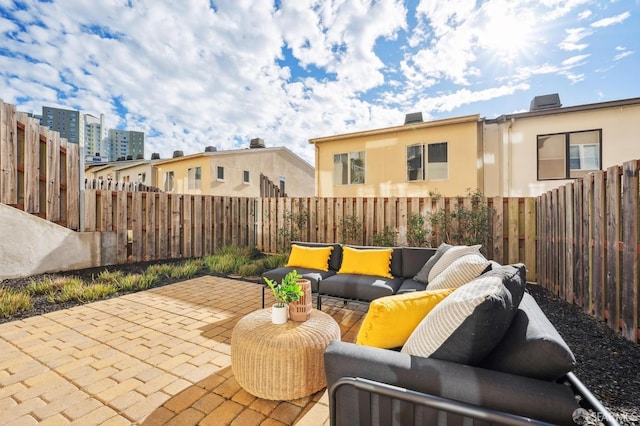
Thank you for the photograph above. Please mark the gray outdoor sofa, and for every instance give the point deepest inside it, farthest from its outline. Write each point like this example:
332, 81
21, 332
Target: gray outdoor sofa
405, 264
523, 377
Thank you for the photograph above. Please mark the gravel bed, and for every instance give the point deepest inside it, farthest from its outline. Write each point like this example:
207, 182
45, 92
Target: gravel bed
607, 363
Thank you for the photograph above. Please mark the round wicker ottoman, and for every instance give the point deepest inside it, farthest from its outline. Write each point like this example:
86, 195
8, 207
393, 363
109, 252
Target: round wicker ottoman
281, 362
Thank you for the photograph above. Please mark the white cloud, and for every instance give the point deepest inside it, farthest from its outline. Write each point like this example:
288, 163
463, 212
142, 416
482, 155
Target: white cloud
584, 15
574, 60
574, 36
611, 20
623, 55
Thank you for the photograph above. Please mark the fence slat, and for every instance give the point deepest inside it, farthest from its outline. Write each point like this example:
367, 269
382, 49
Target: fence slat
612, 272
629, 291
8, 154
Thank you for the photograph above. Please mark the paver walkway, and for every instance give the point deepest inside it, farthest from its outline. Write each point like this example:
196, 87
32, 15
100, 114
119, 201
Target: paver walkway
160, 356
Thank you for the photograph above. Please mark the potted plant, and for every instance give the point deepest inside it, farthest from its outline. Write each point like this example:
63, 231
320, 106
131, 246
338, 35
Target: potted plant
287, 291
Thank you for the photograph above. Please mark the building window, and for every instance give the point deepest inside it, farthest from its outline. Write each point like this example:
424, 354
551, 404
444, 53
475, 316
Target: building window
168, 181
282, 187
428, 161
142, 177
569, 155
245, 176
349, 168
194, 177
220, 172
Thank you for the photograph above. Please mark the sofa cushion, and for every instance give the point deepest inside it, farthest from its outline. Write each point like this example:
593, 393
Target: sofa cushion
391, 319
461, 271
309, 257
410, 286
361, 287
423, 275
312, 275
366, 261
532, 346
469, 323
336, 255
450, 256
414, 258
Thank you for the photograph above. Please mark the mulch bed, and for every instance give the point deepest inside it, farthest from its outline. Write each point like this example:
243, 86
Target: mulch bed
608, 364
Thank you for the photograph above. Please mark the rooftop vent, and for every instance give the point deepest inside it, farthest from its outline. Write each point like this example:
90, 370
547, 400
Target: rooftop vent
177, 154
210, 149
139, 157
413, 117
129, 157
543, 102
256, 143
155, 156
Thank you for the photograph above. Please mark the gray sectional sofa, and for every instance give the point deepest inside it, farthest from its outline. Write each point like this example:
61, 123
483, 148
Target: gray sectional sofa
406, 262
504, 363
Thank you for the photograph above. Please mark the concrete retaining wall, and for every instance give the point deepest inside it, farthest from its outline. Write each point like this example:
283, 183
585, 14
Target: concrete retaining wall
30, 246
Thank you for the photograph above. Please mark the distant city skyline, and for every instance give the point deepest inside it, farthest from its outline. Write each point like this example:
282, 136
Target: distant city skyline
212, 73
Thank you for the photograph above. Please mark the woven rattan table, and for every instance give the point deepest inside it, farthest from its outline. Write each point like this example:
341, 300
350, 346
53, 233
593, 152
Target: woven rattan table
281, 362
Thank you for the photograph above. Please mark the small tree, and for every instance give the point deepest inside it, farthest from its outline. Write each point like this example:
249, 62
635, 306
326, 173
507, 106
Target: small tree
351, 230
386, 238
417, 233
291, 229
464, 225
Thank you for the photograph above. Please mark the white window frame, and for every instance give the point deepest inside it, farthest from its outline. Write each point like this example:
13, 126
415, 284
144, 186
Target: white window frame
352, 178
425, 171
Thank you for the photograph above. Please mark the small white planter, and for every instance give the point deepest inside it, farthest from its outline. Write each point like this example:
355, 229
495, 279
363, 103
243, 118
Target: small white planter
279, 315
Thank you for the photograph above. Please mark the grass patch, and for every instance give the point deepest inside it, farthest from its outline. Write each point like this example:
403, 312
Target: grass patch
246, 262
12, 302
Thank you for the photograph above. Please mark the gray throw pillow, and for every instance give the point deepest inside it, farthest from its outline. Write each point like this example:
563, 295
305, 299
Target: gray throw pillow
467, 325
423, 275
532, 346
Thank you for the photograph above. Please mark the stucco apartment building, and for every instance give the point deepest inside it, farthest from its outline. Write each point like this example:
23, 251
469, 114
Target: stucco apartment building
523, 154
236, 172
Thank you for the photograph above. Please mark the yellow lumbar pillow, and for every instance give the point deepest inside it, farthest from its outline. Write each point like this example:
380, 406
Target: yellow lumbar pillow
309, 257
366, 262
391, 319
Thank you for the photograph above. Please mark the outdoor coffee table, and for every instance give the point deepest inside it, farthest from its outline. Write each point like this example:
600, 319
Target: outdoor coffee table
281, 362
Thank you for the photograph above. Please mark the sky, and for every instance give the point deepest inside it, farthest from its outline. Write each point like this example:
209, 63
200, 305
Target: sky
198, 73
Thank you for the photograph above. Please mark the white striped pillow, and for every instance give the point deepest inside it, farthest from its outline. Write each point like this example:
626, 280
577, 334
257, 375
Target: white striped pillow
472, 320
461, 271
450, 256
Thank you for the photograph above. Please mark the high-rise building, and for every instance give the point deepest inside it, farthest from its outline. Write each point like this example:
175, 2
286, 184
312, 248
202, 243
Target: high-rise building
95, 136
64, 121
126, 144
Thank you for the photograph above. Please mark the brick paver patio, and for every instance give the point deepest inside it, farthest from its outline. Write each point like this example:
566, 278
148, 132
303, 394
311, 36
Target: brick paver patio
156, 357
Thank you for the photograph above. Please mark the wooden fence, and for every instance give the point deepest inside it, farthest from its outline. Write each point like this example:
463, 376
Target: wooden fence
159, 225
588, 245
40, 171
512, 224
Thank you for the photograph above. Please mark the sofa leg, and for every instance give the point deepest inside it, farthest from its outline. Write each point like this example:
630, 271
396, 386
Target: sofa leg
319, 303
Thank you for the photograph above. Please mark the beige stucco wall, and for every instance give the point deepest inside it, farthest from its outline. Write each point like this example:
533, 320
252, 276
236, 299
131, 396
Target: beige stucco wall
386, 159
510, 148
272, 162
31, 246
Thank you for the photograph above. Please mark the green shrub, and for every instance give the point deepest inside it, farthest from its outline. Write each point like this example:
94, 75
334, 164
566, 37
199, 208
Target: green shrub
417, 233
464, 225
351, 230
251, 269
386, 238
70, 290
110, 277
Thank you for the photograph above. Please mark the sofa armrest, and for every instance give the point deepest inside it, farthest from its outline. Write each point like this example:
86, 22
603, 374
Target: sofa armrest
384, 411
545, 401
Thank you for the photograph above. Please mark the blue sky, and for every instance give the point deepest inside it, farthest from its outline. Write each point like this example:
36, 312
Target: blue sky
194, 73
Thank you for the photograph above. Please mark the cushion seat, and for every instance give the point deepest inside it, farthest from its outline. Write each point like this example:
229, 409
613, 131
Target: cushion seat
313, 275
361, 287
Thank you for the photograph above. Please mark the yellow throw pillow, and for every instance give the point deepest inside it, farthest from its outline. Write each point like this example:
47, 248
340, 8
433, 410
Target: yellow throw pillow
366, 262
309, 257
391, 319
